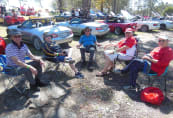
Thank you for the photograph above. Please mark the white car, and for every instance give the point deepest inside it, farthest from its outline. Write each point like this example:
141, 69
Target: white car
78, 25
145, 26
33, 30
164, 24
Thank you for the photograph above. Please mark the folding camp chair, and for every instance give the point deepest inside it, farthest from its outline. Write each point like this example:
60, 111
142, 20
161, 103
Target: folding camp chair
161, 78
9, 76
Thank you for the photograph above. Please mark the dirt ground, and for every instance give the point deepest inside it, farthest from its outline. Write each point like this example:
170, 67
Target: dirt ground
91, 97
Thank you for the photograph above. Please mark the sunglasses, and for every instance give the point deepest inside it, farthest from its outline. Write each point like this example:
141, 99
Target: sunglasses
17, 36
161, 41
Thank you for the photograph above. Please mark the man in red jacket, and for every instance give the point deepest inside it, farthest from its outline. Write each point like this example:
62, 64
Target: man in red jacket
125, 51
156, 62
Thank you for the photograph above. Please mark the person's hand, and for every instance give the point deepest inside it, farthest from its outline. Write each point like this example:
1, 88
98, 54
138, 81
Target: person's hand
33, 70
146, 57
98, 44
78, 46
42, 63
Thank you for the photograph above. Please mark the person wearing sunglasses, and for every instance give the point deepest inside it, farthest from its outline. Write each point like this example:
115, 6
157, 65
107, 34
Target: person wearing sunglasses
16, 52
87, 43
155, 62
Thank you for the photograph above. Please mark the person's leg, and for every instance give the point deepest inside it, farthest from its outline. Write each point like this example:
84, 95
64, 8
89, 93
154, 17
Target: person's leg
82, 51
72, 66
37, 65
134, 67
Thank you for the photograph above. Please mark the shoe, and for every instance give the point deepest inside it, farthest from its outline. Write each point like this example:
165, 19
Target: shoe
34, 87
79, 75
117, 71
69, 60
129, 87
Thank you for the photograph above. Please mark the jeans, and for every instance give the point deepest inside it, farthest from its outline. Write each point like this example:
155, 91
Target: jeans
89, 49
135, 66
27, 73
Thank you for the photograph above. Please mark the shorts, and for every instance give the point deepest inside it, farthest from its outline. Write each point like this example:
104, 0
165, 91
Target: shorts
112, 55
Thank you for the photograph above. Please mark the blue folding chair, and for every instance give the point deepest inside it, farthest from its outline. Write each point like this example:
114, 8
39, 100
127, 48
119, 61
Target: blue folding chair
161, 78
8, 75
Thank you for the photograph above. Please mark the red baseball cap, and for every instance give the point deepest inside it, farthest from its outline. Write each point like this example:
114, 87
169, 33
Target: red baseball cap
128, 30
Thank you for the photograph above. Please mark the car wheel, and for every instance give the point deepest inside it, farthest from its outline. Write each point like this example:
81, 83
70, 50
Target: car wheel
162, 26
118, 31
144, 28
37, 43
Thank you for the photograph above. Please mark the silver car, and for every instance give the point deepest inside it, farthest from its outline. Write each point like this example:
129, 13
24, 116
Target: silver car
33, 30
78, 25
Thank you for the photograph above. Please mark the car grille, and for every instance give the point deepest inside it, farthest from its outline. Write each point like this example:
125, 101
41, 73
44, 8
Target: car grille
64, 34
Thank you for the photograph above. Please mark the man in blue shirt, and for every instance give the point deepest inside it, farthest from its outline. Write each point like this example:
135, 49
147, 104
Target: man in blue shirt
89, 42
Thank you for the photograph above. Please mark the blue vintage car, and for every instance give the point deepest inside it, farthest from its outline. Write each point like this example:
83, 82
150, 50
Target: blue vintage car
33, 30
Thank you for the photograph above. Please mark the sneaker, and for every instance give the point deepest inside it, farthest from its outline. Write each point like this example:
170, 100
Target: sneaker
79, 75
69, 60
117, 71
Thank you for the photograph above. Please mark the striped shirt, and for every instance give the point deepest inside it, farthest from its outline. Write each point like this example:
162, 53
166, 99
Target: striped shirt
13, 51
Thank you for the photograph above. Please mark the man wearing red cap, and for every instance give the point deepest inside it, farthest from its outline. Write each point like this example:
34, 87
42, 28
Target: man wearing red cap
125, 51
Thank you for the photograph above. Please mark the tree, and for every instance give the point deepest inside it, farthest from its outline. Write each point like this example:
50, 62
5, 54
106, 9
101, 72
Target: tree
168, 11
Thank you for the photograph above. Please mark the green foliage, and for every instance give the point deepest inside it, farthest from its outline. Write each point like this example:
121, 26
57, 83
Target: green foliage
168, 11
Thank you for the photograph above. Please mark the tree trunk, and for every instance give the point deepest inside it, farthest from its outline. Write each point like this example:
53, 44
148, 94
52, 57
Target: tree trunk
60, 4
86, 4
114, 5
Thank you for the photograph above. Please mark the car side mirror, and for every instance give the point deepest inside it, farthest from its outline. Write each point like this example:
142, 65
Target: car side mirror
19, 26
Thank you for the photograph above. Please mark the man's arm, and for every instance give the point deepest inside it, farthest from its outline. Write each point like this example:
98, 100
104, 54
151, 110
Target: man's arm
24, 65
122, 48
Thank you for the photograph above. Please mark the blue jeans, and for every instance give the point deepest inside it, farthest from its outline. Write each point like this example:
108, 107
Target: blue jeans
135, 66
89, 49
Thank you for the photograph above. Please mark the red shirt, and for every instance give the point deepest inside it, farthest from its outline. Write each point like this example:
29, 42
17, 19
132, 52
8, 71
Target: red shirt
164, 56
130, 42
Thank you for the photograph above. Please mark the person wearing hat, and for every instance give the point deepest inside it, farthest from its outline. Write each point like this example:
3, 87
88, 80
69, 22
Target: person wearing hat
55, 54
125, 50
16, 52
89, 42
155, 62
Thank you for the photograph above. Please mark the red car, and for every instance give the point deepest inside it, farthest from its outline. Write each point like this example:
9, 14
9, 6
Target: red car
9, 19
2, 46
28, 12
118, 25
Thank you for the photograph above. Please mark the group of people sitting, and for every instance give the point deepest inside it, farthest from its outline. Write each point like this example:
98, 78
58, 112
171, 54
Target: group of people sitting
16, 51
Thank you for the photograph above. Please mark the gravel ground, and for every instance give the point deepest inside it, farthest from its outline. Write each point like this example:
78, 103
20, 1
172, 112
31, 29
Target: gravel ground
91, 97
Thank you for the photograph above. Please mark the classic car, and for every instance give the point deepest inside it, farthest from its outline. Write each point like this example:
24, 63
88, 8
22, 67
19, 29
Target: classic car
78, 25
164, 24
33, 30
63, 17
9, 19
118, 25
147, 25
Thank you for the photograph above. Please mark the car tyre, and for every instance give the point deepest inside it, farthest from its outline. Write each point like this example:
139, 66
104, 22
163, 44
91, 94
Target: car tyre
144, 28
37, 43
118, 31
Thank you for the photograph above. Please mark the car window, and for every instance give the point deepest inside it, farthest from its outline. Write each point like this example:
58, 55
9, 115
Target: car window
76, 21
27, 24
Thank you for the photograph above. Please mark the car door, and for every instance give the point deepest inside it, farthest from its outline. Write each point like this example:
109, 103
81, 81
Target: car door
25, 28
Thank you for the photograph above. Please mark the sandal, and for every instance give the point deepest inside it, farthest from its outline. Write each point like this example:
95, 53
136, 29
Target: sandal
101, 74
